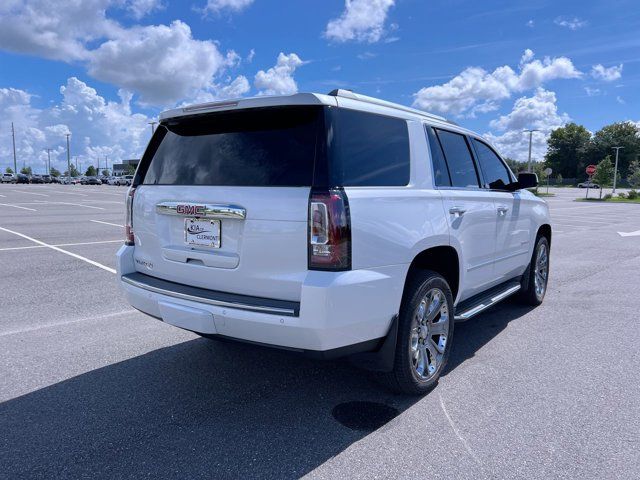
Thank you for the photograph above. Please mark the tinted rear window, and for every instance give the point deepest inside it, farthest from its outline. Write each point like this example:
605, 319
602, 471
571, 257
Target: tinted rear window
260, 147
459, 160
368, 149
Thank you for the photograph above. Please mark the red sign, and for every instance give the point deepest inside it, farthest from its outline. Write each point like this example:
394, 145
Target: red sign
591, 169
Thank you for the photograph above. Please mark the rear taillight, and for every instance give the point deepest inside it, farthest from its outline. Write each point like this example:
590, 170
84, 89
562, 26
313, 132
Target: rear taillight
329, 230
128, 223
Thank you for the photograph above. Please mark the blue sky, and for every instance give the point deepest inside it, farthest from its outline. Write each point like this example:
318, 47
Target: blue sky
102, 69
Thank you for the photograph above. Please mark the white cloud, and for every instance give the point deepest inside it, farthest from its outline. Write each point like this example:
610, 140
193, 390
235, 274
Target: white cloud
476, 90
531, 24
98, 127
278, 80
620, 100
571, 23
610, 74
538, 112
162, 63
361, 21
141, 8
592, 92
216, 6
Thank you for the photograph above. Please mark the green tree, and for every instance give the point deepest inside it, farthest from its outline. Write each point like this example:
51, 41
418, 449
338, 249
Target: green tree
74, 172
91, 171
9, 170
55, 172
26, 170
105, 172
131, 170
604, 173
559, 179
634, 173
622, 134
567, 150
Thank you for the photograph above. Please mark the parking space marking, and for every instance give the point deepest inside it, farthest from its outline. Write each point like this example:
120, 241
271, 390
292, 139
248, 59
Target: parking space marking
61, 245
58, 249
630, 234
31, 193
46, 202
17, 206
77, 320
107, 223
68, 193
4, 196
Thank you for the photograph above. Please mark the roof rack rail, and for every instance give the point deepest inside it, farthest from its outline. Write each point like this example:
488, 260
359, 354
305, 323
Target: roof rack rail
345, 93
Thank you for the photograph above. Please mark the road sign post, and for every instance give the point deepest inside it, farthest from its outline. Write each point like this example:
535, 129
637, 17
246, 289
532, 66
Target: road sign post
591, 169
548, 172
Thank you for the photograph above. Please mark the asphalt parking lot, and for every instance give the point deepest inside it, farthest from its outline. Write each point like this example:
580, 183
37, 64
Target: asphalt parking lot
91, 388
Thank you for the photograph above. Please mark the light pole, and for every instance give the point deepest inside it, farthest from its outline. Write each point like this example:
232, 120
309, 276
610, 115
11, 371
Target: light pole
152, 127
49, 161
68, 158
13, 136
615, 169
530, 140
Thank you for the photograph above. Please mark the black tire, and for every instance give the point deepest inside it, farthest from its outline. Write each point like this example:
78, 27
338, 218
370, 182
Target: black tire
530, 295
404, 378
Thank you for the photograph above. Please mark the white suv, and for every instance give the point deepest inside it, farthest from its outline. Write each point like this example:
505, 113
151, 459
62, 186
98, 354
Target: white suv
331, 225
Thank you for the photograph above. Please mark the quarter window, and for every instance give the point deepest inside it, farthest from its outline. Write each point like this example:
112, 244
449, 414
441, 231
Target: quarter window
494, 171
440, 172
459, 160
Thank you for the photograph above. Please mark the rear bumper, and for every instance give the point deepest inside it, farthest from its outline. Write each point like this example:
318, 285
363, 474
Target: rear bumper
336, 309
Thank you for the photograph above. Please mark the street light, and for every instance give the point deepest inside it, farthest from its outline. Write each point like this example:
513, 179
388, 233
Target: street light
13, 136
68, 158
615, 169
49, 161
530, 139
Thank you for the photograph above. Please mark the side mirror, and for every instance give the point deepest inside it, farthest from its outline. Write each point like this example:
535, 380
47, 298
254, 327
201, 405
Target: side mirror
527, 180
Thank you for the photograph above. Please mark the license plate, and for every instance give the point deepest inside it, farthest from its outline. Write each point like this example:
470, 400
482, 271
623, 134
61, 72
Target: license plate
202, 233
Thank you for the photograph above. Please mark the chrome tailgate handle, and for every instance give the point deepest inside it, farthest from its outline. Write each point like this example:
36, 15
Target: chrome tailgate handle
203, 210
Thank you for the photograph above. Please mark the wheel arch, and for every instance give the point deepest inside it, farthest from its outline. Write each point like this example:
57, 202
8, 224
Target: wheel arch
441, 259
545, 231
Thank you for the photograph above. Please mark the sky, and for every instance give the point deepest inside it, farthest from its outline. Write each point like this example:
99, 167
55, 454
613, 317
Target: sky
103, 69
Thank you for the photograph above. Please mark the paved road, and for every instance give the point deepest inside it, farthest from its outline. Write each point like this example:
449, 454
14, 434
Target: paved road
91, 388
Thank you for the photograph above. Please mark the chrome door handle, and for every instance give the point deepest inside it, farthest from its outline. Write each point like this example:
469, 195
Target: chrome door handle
502, 210
457, 211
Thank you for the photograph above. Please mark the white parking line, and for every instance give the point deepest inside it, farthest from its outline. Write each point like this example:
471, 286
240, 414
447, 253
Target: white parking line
4, 196
61, 245
59, 324
107, 223
46, 202
31, 193
16, 206
68, 193
57, 249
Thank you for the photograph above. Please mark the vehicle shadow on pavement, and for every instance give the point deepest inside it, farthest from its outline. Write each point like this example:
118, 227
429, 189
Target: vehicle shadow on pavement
202, 408
473, 334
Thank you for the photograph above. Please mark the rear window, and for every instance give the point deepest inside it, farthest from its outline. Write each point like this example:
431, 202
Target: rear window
259, 147
368, 149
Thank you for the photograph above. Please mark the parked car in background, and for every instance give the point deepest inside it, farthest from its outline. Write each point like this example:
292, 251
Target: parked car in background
8, 178
112, 181
103, 179
36, 179
93, 181
22, 178
46, 178
588, 184
125, 180
55, 179
358, 227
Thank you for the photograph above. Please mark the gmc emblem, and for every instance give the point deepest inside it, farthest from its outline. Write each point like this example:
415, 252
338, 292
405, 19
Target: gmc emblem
190, 209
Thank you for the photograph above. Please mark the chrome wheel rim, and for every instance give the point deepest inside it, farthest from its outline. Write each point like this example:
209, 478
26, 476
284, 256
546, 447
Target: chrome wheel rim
541, 270
429, 331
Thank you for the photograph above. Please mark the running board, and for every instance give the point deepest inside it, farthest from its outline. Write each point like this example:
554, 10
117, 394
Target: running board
473, 306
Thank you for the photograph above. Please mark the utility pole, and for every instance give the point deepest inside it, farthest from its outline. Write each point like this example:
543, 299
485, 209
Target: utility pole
15, 163
152, 127
106, 163
530, 140
615, 169
68, 158
49, 161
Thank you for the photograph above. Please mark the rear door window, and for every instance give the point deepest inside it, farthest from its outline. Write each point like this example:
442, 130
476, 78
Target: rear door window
440, 171
257, 147
368, 149
459, 160
494, 171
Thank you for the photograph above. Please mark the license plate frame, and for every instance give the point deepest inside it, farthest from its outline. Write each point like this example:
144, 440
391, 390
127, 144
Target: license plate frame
204, 228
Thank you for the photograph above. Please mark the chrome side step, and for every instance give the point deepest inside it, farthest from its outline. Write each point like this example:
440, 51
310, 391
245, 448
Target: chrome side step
492, 297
